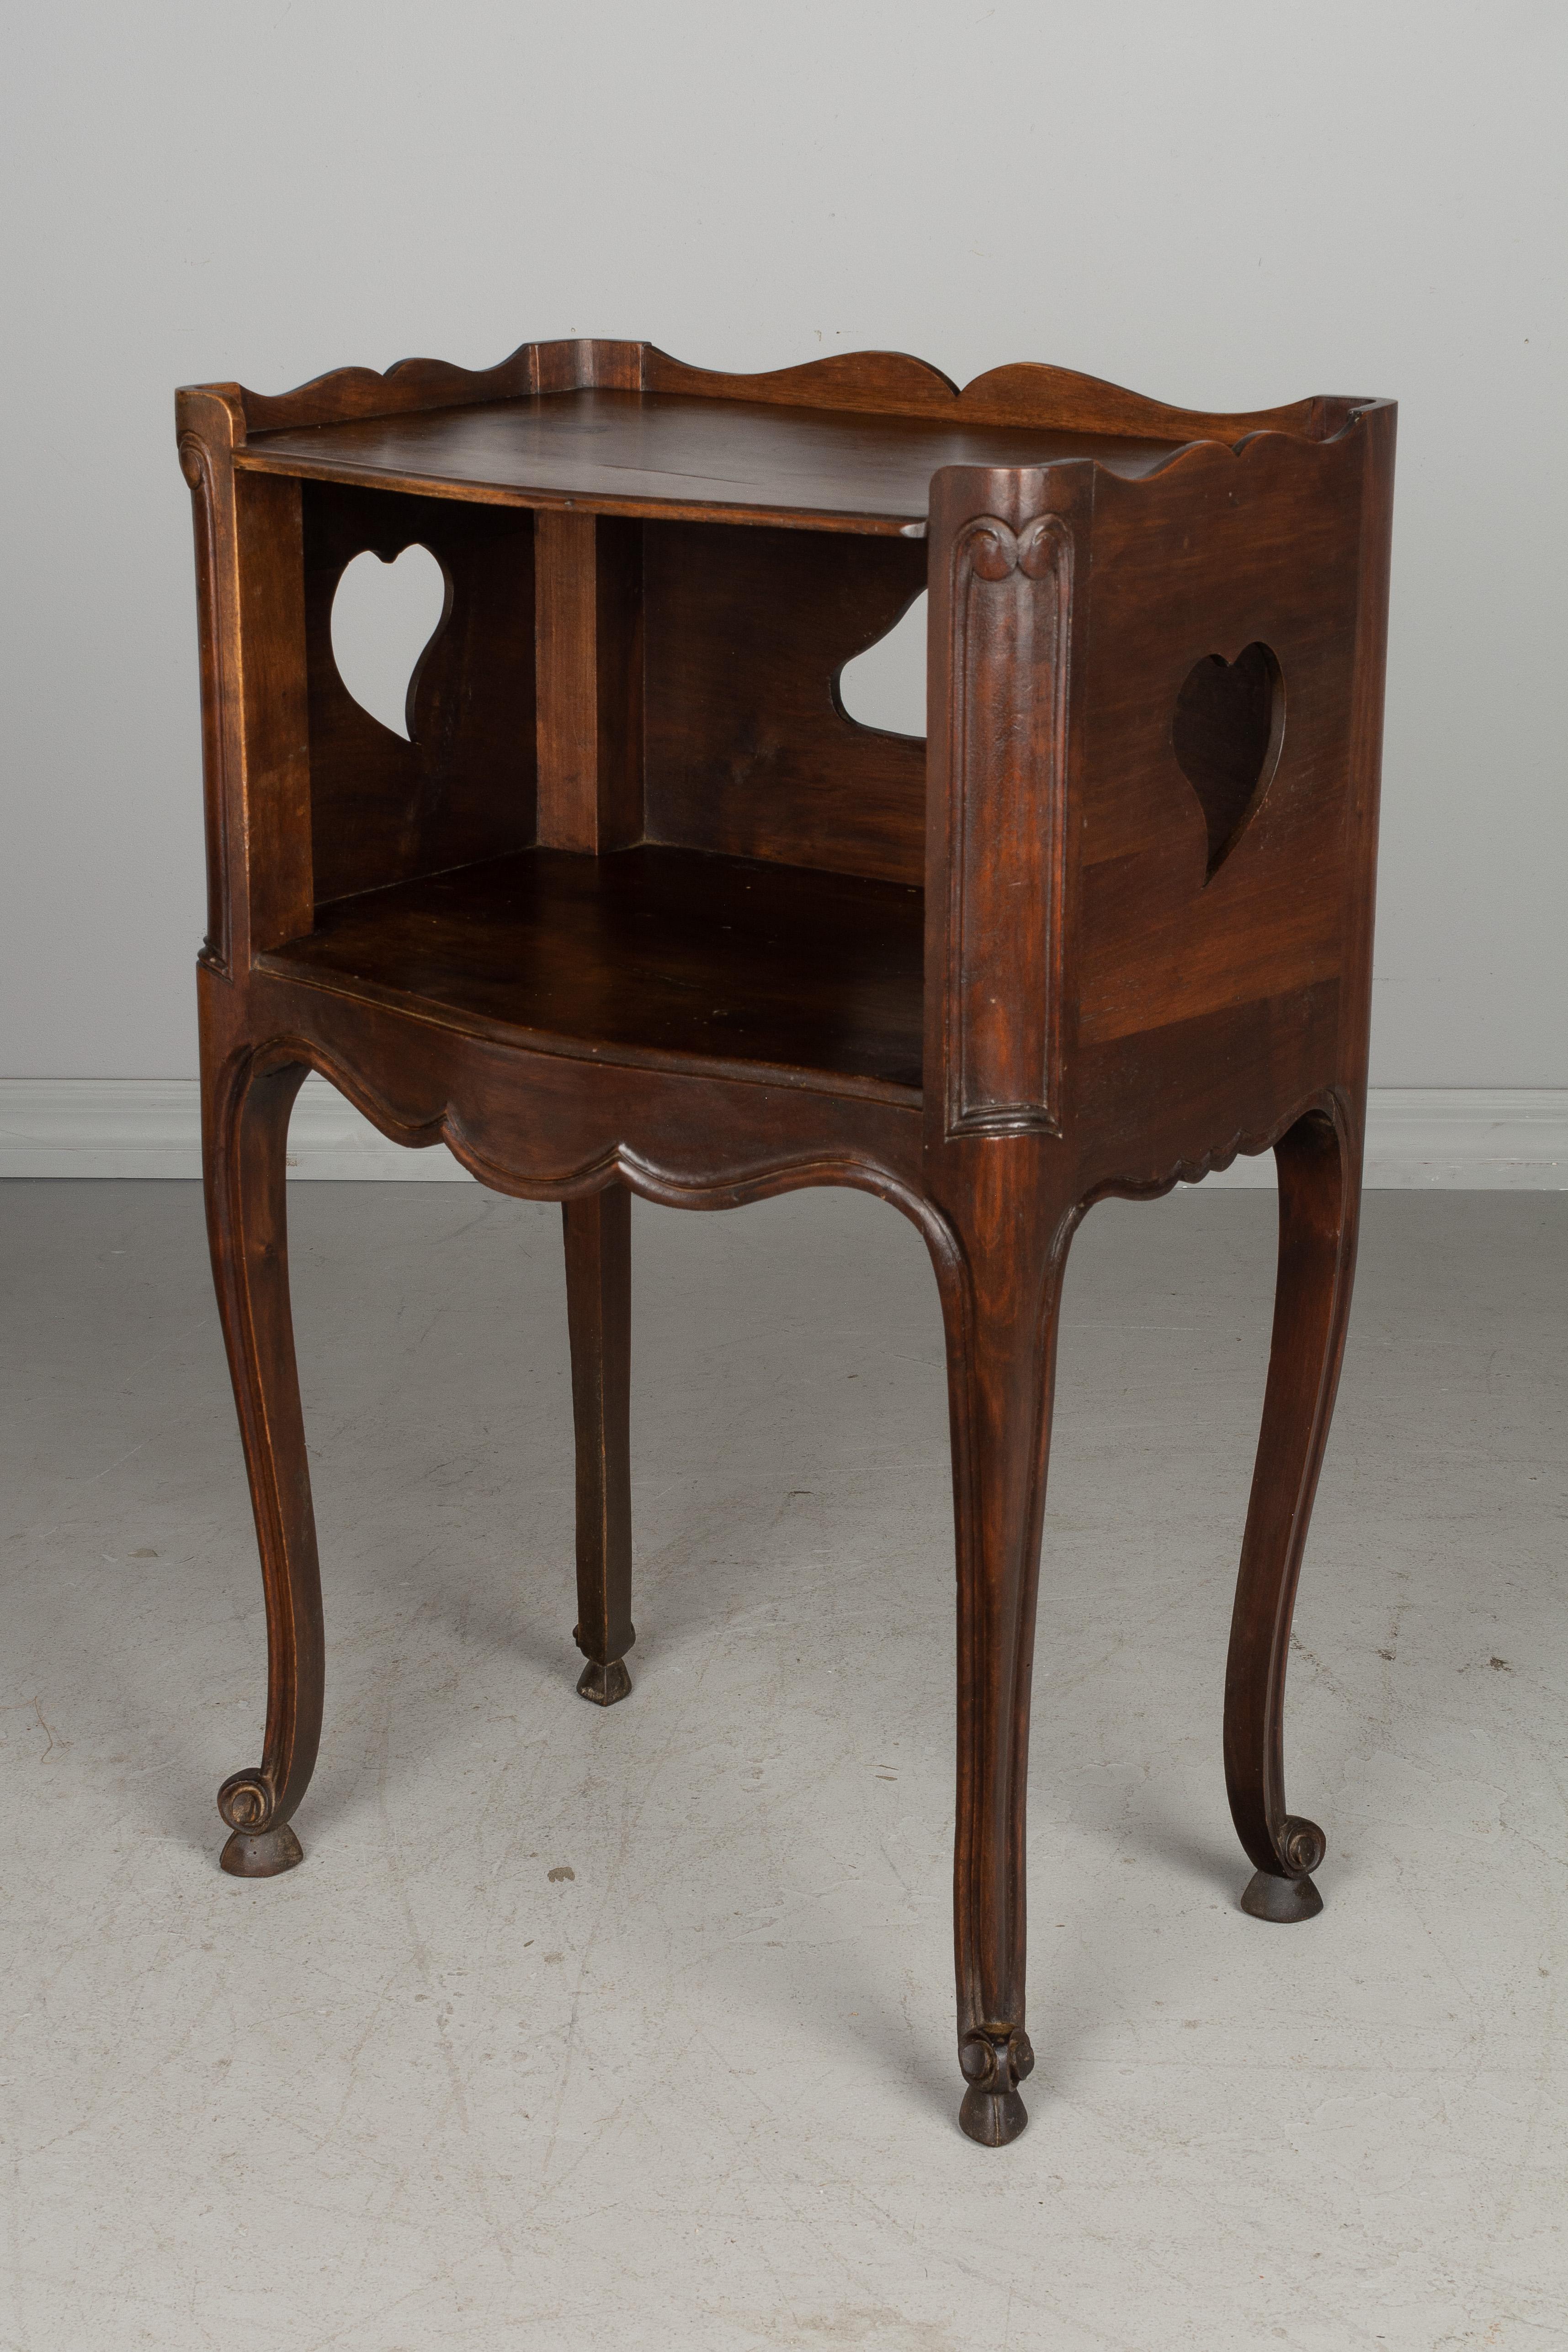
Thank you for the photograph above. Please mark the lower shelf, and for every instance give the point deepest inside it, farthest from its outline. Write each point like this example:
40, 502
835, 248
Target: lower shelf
671, 956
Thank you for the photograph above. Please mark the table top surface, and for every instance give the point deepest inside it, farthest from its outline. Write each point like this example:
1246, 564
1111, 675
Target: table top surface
678, 457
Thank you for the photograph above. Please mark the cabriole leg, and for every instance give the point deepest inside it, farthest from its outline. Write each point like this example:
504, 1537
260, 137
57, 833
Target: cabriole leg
1319, 1189
1001, 1317
599, 1318
245, 1129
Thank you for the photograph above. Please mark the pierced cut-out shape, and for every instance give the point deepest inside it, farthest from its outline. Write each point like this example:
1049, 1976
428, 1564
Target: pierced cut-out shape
1226, 734
384, 618
885, 686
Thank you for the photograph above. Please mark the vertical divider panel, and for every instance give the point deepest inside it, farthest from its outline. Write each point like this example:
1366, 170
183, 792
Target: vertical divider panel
588, 607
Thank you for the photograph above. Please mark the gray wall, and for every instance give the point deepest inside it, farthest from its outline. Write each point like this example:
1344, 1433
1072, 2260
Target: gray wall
1227, 204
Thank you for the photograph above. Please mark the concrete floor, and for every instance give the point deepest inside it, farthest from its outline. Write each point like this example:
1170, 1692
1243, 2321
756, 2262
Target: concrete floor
635, 2028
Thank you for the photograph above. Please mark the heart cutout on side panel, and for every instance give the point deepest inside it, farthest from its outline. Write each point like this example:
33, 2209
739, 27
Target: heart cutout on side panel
1228, 734
383, 617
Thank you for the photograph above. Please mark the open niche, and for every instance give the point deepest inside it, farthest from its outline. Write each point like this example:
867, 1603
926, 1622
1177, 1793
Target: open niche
625, 798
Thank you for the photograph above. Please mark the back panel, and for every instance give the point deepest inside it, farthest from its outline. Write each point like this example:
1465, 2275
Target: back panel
747, 751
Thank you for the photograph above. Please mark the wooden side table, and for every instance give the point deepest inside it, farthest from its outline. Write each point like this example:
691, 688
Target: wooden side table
639, 908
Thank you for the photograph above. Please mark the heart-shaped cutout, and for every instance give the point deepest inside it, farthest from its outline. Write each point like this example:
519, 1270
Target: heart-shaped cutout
1228, 734
885, 686
384, 618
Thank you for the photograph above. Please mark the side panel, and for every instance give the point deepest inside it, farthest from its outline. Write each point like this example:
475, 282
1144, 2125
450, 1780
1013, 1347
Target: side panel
1191, 569
1232, 649
384, 809
1153, 753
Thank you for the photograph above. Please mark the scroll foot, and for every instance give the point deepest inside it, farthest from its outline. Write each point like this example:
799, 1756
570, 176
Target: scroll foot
994, 2061
261, 1845
603, 1685
1272, 1895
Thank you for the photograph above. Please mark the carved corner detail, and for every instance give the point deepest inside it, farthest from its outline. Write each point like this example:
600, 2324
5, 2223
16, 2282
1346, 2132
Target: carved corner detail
1011, 598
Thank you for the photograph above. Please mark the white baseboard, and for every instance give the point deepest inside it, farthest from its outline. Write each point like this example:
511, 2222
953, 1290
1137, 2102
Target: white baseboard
153, 1127
1478, 1139
1453, 1139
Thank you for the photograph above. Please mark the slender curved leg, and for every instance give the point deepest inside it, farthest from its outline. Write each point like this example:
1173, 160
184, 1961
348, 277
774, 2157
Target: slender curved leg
246, 1126
1001, 1315
1320, 1193
599, 1320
